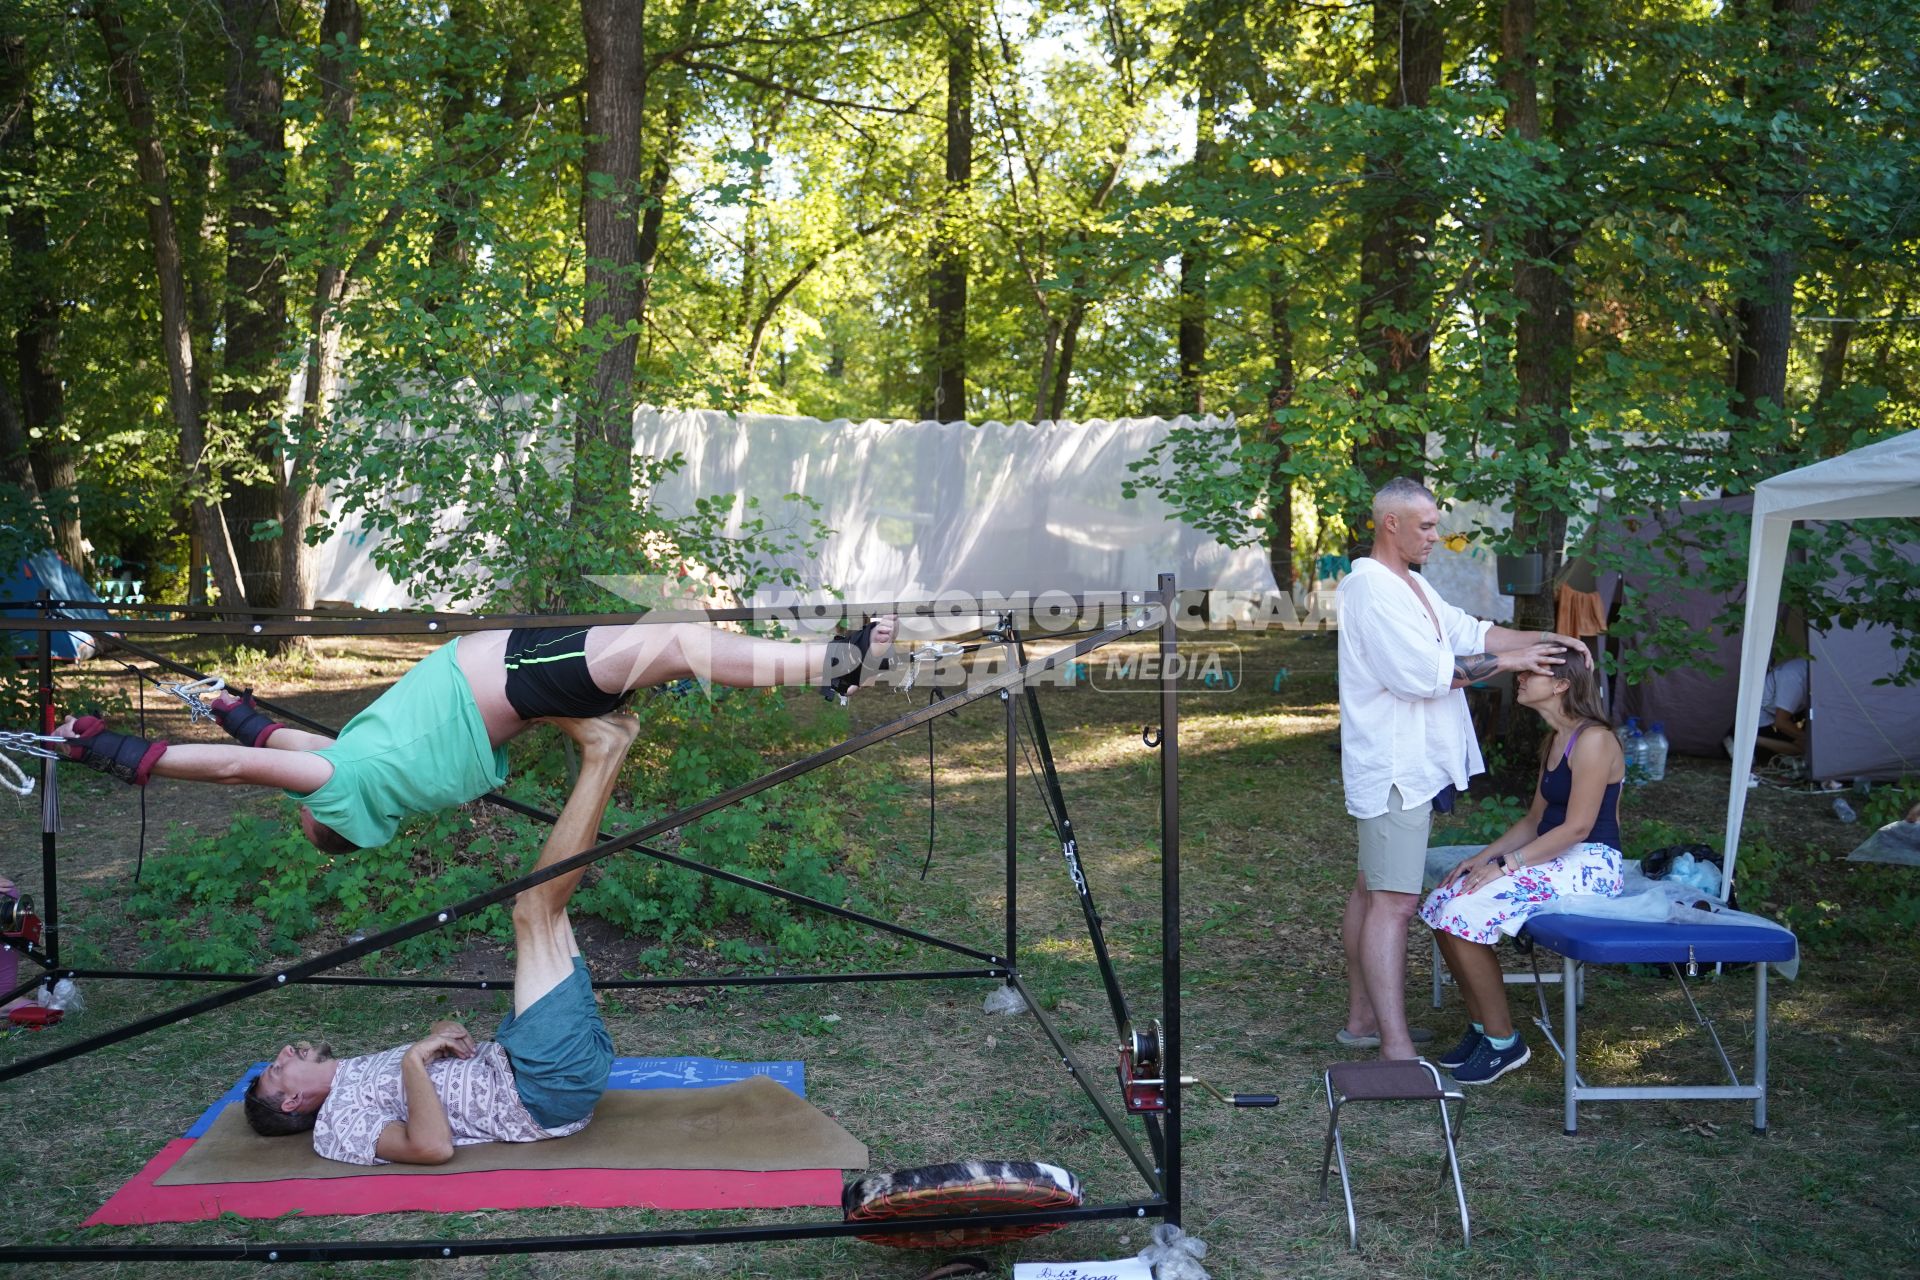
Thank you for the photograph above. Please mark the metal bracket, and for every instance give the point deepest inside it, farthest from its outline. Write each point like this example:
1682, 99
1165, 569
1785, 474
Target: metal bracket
938, 651
195, 694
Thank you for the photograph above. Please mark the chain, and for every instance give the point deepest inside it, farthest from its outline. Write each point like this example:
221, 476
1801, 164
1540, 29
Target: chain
195, 695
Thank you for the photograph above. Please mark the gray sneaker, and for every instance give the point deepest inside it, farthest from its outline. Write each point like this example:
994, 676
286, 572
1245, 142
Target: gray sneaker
1488, 1063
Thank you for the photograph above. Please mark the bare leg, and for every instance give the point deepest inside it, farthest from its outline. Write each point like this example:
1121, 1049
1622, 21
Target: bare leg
622, 658
544, 946
1360, 1017
1383, 964
1477, 970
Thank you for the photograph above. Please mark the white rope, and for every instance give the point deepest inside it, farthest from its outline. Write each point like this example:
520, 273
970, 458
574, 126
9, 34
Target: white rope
12, 777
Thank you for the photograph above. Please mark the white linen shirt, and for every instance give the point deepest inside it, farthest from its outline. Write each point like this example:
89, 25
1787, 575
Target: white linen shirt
1402, 723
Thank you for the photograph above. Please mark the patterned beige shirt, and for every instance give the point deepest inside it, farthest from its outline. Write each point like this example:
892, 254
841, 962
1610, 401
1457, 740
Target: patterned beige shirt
478, 1092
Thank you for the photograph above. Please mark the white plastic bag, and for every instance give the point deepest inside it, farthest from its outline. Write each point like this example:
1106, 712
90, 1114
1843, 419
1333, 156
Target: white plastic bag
1175, 1255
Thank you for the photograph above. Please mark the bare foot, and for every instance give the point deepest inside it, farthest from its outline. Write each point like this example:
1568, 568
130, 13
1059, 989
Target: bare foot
614, 731
879, 647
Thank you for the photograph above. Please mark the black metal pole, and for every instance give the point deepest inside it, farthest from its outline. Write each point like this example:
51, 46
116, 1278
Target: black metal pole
323, 622
1013, 810
503, 984
1170, 889
49, 804
1070, 846
499, 1246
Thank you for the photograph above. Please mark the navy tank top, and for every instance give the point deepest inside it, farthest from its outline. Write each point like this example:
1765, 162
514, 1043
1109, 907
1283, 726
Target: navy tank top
1556, 788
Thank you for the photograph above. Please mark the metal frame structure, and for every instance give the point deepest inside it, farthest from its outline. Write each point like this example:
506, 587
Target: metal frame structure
1138, 614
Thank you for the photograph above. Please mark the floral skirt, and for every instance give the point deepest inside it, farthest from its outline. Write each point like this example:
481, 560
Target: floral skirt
1502, 906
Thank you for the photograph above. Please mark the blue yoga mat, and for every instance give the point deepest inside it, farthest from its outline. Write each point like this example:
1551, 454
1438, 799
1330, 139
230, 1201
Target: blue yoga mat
628, 1073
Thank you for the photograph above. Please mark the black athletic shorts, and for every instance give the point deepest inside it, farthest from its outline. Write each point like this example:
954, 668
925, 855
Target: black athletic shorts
547, 675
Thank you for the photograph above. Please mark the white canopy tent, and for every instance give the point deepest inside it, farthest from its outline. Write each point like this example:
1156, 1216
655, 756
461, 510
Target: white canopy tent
1878, 480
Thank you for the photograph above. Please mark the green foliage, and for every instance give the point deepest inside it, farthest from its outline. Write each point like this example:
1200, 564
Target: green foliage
790, 837
259, 890
1889, 802
1485, 818
1134, 164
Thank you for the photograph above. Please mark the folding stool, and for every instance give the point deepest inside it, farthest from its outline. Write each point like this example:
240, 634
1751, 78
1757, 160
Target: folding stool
1412, 1080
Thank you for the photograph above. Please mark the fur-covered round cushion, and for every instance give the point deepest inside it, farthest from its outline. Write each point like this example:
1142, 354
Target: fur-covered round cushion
964, 1187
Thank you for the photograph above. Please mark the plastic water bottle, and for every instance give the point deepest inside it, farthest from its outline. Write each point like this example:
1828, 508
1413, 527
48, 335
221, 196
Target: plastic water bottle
1626, 733
1842, 810
1634, 744
1657, 746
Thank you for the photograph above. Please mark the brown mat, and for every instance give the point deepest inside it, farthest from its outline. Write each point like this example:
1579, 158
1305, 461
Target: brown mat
755, 1125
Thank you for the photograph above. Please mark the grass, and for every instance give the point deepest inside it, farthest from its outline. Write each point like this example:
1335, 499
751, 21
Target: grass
921, 1074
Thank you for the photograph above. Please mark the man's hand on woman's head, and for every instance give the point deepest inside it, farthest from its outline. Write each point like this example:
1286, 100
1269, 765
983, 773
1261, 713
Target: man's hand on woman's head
1541, 659
1572, 644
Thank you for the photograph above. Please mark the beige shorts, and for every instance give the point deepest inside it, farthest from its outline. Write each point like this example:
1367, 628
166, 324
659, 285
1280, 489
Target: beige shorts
1393, 846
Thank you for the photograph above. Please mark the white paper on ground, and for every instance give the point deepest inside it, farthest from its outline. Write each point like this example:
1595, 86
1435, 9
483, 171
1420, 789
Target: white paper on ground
1125, 1269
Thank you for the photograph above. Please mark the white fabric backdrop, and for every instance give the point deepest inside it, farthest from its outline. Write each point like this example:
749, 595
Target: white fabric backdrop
919, 508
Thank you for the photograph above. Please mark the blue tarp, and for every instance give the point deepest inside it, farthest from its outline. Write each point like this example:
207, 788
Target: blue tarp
46, 571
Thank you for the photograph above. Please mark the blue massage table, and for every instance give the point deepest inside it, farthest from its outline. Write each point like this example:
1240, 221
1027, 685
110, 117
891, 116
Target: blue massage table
1584, 940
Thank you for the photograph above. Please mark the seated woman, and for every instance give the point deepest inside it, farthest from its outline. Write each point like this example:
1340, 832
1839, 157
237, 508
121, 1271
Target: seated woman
1568, 843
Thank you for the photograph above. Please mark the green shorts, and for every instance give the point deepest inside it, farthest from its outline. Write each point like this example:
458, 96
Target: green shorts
1393, 846
560, 1051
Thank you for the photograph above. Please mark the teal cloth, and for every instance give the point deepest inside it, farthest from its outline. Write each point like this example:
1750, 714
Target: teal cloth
560, 1050
421, 747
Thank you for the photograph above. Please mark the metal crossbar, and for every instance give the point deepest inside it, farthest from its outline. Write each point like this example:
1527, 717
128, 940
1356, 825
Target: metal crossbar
225, 621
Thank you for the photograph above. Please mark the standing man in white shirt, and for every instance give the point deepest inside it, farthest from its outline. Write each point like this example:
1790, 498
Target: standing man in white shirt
1405, 736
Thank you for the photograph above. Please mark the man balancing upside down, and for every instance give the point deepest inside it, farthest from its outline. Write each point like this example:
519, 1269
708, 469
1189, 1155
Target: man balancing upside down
539, 1078
434, 739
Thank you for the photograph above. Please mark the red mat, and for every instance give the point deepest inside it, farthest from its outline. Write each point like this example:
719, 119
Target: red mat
140, 1202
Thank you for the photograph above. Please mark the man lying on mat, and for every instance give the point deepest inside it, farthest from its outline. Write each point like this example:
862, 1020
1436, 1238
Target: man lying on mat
434, 739
539, 1078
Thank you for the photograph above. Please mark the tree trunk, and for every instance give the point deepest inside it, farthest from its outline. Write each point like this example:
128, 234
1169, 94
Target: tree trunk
1543, 351
1077, 303
183, 400
610, 216
1834, 436
450, 251
1395, 329
255, 300
1191, 335
1063, 363
35, 436
15, 468
654, 216
301, 497
1043, 380
1763, 314
947, 294
1279, 395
